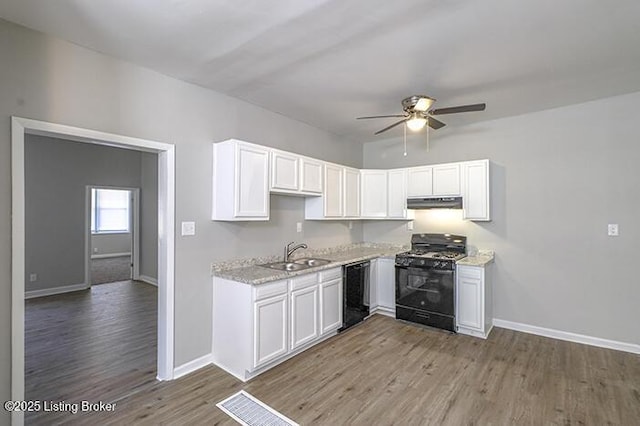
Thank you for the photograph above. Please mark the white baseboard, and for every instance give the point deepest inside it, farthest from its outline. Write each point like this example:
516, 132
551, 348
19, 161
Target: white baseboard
54, 290
192, 366
148, 280
108, 255
389, 312
569, 337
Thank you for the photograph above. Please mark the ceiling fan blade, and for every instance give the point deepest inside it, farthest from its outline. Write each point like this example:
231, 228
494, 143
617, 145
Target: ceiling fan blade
457, 109
435, 124
381, 116
390, 127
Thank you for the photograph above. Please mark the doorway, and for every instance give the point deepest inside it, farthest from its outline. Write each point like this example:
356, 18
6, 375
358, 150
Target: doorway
112, 236
166, 230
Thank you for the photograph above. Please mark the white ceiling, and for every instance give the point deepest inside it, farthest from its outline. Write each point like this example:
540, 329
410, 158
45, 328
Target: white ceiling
326, 62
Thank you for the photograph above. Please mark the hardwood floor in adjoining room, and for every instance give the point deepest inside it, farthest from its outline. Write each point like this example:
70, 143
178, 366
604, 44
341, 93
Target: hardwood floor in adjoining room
387, 372
95, 345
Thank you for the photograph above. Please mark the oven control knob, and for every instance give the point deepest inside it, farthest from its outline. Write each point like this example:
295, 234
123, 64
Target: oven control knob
421, 262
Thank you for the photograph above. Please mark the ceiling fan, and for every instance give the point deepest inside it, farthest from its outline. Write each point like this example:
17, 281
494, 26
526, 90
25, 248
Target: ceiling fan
417, 113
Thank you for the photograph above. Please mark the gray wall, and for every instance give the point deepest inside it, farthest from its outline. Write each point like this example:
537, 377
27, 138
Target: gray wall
105, 244
47, 79
149, 215
56, 175
558, 178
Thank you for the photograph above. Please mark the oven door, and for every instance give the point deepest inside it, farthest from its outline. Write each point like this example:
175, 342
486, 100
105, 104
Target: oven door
425, 289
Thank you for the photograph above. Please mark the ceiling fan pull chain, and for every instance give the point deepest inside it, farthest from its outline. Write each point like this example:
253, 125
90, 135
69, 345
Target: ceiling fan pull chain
427, 138
405, 139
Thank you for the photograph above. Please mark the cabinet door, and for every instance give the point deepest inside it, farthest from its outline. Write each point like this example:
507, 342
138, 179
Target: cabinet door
446, 180
475, 190
387, 284
352, 193
311, 175
419, 182
304, 316
284, 171
469, 293
333, 191
374, 193
397, 194
269, 329
373, 284
330, 305
252, 185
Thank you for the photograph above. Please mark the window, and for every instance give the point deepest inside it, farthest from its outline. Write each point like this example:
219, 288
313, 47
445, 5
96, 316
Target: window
109, 210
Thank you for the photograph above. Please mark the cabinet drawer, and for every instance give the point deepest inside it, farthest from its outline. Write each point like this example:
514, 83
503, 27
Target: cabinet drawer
267, 290
330, 274
304, 281
470, 272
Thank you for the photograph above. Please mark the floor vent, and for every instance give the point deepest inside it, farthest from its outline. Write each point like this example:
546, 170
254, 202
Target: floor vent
248, 411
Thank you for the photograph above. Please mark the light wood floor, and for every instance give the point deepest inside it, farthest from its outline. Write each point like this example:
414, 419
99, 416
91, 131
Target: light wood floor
387, 372
97, 344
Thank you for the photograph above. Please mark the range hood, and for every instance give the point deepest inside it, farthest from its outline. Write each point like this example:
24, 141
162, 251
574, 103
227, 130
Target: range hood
435, 203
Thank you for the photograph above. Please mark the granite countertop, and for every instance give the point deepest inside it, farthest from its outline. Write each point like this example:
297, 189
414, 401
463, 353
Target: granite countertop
247, 270
481, 259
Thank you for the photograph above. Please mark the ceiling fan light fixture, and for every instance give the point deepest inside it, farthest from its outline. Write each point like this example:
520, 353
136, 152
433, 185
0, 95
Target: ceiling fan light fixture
423, 104
416, 122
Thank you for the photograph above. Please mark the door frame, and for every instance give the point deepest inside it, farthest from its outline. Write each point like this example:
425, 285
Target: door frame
166, 237
134, 223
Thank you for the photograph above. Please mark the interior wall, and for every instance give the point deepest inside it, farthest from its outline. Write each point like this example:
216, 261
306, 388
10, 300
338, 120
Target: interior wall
148, 265
56, 175
103, 245
44, 78
558, 178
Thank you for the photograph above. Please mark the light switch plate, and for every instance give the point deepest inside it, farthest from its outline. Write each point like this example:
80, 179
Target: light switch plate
298, 226
612, 229
188, 228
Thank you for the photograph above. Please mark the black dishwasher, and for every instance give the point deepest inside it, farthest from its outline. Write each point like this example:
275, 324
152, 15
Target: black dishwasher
355, 306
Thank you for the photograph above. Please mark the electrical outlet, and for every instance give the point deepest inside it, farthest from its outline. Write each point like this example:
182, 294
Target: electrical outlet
33, 277
188, 228
350, 225
95, 249
410, 225
298, 226
612, 229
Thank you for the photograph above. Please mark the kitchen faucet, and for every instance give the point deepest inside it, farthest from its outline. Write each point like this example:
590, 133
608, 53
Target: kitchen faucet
288, 251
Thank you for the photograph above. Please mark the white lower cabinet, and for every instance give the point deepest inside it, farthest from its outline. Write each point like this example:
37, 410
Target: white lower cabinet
304, 316
330, 305
255, 327
270, 329
474, 307
383, 286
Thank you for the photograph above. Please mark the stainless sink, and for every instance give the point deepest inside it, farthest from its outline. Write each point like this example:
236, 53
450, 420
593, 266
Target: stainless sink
311, 261
296, 265
286, 266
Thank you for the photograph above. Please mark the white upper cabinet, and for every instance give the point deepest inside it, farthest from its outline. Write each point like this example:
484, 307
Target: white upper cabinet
419, 182
374, 193
294, 174
441, 180
351, 193
397, 194
244, 174
334, 190
340, 197
446, 180
284, 171
311, 175
240, 181
475, 190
